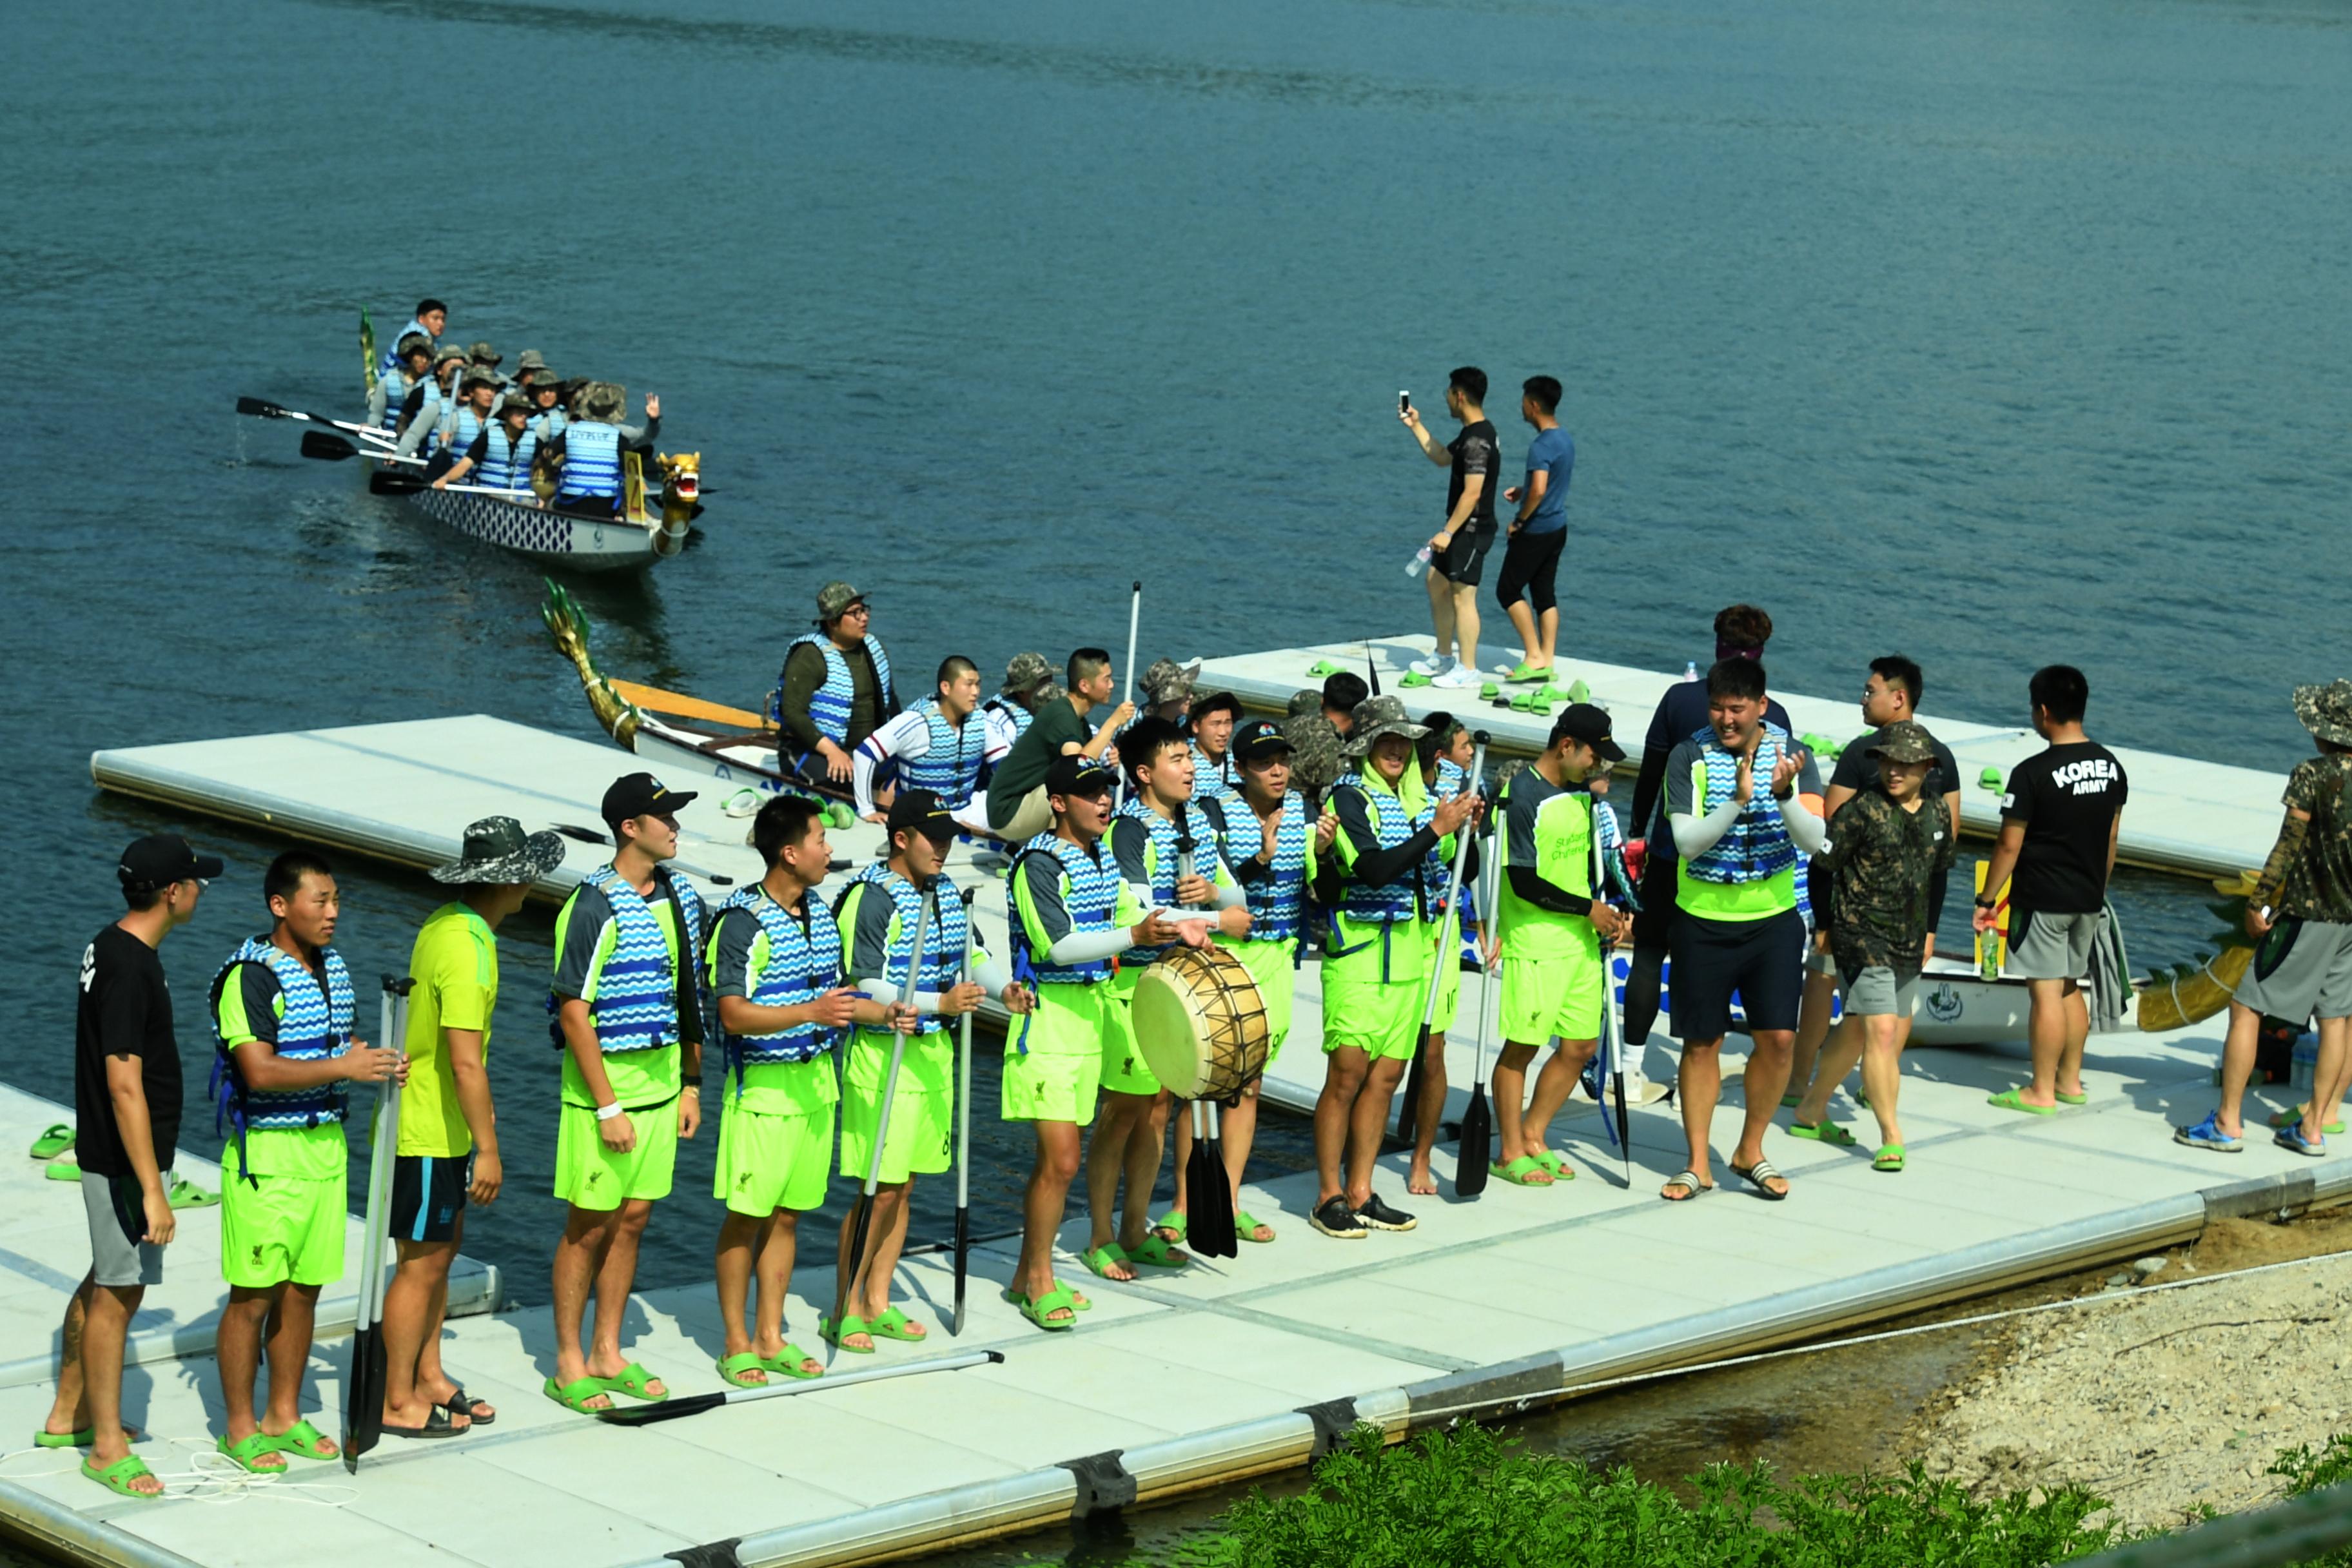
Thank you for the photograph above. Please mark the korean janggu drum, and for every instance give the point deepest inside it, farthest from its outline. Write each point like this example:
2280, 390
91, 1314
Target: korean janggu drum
1200, 1023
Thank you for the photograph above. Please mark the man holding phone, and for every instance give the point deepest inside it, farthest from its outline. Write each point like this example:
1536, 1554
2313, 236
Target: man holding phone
1459, 549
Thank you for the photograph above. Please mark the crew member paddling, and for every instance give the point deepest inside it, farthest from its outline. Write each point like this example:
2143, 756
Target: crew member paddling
835, 691
1070, 916
282, 1008
426, 410
499, 455
1553, 923
628, 1014
448, 1154
877, 919
938, 745
1384, 936
775, 970
589, 448
408, 373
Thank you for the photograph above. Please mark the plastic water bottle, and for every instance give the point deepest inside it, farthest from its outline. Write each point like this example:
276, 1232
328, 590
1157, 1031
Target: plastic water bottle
1690, 670
1419, 564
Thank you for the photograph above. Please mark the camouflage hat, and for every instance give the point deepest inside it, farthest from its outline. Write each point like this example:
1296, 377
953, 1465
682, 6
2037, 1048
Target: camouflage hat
1052, 691
482, 353
1314, 750
1375, 717
1904, 740
446, 353
477, 375
531, 360
515, 403
2326, 711
548, 381
833, 602
1307, 701
412, 343
1025, 672
1168, 682
603, 400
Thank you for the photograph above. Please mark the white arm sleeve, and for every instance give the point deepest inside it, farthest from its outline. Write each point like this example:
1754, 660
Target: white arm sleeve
1087, 947
1808, 830
1694, 836
887, 992
992, 976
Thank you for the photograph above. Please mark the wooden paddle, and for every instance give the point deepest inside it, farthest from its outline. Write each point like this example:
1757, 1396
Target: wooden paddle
1475, 1151
258, 408
673, 1407
364, 1387
653, 699
862, 1216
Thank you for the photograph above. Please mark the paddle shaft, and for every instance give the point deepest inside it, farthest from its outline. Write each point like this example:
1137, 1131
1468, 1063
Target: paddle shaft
963, 1131
363, 1395
1134, 625
320, 447
882, 1123
1453, 888
261, 409
673, 1407
1610, 1062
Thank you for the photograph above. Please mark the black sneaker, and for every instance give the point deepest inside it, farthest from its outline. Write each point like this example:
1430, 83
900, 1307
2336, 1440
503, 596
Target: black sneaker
1380, 1216
1332, 1217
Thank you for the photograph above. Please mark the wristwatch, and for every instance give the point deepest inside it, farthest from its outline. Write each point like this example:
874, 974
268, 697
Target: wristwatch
1987, 903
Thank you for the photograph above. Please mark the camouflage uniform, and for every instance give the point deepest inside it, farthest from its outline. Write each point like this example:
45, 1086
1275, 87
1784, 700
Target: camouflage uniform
1314, 752
1882, 862
2318, 881
2301, 967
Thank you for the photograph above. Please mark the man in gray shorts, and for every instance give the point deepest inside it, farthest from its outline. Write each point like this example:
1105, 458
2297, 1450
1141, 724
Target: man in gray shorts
2058, 828
127, 1109
2300, 916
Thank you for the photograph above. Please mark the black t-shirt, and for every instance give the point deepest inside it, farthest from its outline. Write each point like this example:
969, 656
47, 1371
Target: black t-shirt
1475, 451
125, 1009
1857, 770
2067, 797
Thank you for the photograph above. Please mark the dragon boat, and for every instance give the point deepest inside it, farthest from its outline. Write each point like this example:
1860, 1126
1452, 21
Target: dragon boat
636, 537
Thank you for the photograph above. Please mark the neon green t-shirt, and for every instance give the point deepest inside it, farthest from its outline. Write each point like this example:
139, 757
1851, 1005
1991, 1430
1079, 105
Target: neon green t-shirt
1548, 831
455, 964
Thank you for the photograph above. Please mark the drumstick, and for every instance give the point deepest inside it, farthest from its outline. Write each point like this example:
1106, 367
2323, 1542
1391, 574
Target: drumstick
963, 1134
862, 1216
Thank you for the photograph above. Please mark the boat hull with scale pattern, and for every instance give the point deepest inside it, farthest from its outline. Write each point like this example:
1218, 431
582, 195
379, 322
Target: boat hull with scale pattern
553, 539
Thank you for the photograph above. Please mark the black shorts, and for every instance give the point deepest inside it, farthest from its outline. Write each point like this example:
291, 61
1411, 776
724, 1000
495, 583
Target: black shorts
1763, 961
1654, 923
428, 1195
1530, 561
1464, 560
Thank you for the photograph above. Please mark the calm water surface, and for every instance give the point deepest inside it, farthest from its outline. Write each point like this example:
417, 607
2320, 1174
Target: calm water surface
1989, 331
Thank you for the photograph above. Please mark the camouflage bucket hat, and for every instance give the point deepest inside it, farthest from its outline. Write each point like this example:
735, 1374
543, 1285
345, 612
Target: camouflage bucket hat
446, 353
515, 403
1904, 741
477, 375
497, 850
1314, 751
1025, 672
531, 360
413, 342
833, 602
1375, 717
603, 400
2326, 711
482, 353
1307, 701
1168, 682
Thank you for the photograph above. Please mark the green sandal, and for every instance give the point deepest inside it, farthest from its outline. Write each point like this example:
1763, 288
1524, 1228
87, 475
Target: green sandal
1081, 1301
118, 1477
82, 1439
1889, 1158
53, 1141
2013, 1100
1039, 1310
1175, 1223
1099, 1259
2065, 1099
62, 1171
302, 1441
1322, 668
1246, 1226
894, 1324
1823, 1132
1414, 678
732, 1369
1521, 1172
1557, 1164
249, 1455
186, 1194
1157, 1252
2286, 1119
574, 1396
833, 1333
633, 1380
1524, 672
788, 1360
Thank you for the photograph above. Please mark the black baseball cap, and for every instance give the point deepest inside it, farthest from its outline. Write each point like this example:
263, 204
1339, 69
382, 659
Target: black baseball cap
641, 794
1583, 721
160, 859
1075, 774
919, 811
1260, 739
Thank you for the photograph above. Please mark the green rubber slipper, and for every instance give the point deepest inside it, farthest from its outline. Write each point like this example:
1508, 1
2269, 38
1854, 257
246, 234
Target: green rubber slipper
1040, 1310
1823, 1132
1523, 672
249, 1455
1176, 1224
1099, 1259
2293, 1118
788, 1360
62, 1171
1488, 691
1157, 1252
833, 1333
1557, 1164
1322, 668
732, 1369
302, 1441
2065, 1099
186, 1194
52, 1142
635, 1379
82, 1439
1414, 678
1790, 1101
1889, 1158
1246, 1226
574, 1395
118, 1477
894, 1324
1523, 1172
1077, 1299
2012, 1100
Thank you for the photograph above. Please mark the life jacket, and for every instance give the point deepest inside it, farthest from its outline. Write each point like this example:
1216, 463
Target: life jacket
830, 704
1091, 897
1410, 896
943, 942
592, 460
546, 423
506, 465
1014, 714
315, 1026
1163, 853
1277, 901
803, 963
397, 388
387, 364
1437, 871
635, 1007
467, 424
1756, 847
1215, 781
950, 765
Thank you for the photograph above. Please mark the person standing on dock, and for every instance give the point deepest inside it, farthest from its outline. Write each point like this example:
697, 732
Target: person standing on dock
1474, 463
628, 1010
1070, 917
1018, 792
1733, 805
282, 1013
1390, 840
1553, 920
448, 1154
1443, 756
2059, 822
2300, 915
775, 973
1531, 554
127, 1103
835, 690
938, 745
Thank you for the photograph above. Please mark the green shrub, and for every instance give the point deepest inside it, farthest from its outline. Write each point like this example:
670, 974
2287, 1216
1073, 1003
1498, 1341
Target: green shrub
1468, 1499
2308, 1472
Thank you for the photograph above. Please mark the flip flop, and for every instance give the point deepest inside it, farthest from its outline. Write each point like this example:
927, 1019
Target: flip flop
2065, 1099
733, 1369
302, 1441
833, 1333
249, 1455
2294, 1118
1557, 1164
894, 1324
633, 1380
1038, 1310
788, 1360
186, 1194
118, 1477
1246, 1226
574, 1395
1889, 1158
53, 1141
1488, 691
1688, 1179
1099, 1259
1823, 1132
1521, 1171
1157, 1252
438, 1425
63, 1170
1321, 669
1756, 1175
2009, 1100
457, 1404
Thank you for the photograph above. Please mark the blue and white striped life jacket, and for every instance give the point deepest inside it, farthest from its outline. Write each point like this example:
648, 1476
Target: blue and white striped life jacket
397, 388
315, 1026
1164, 854
592, 461
388, 361
950, 765
546, 423
803, 963
1090, 896
1215, 781
1437, 870
1409, 897
943, 944
1277, 901
1020, 718
636, 985
1757, 846
831, 703
466, 425
506, 465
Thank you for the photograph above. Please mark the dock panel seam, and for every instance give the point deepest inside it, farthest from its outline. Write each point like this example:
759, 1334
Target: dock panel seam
1104, 1485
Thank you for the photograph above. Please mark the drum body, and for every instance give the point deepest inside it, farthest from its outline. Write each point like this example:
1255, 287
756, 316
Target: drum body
1201, 1024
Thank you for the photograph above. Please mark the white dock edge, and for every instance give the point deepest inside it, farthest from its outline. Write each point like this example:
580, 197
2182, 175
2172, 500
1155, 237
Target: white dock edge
73, 1536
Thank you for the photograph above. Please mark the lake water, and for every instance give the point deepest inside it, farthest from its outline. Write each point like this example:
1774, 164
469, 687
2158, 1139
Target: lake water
1994, 332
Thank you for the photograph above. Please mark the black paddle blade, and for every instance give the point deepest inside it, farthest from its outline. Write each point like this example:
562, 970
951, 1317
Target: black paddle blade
384, 484
1201, 1181
254, 407
669, 1409
1212, 1210
1409, 1101
963, 1267
326, 447
1476, 1149
364, 1397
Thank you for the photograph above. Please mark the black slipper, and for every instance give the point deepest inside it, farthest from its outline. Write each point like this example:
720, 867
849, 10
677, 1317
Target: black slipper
436, 1425
1756, 1175
457, 1404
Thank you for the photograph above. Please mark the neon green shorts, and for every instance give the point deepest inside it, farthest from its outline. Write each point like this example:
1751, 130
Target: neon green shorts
1549, 998
1058, 1076
770, 1163
1376, 1019
1272, 964
588, 1175
922, 1106
1123, 1072
290, 1227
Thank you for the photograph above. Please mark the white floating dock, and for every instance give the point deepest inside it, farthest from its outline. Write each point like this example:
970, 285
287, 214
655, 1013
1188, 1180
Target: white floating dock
2200, 818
